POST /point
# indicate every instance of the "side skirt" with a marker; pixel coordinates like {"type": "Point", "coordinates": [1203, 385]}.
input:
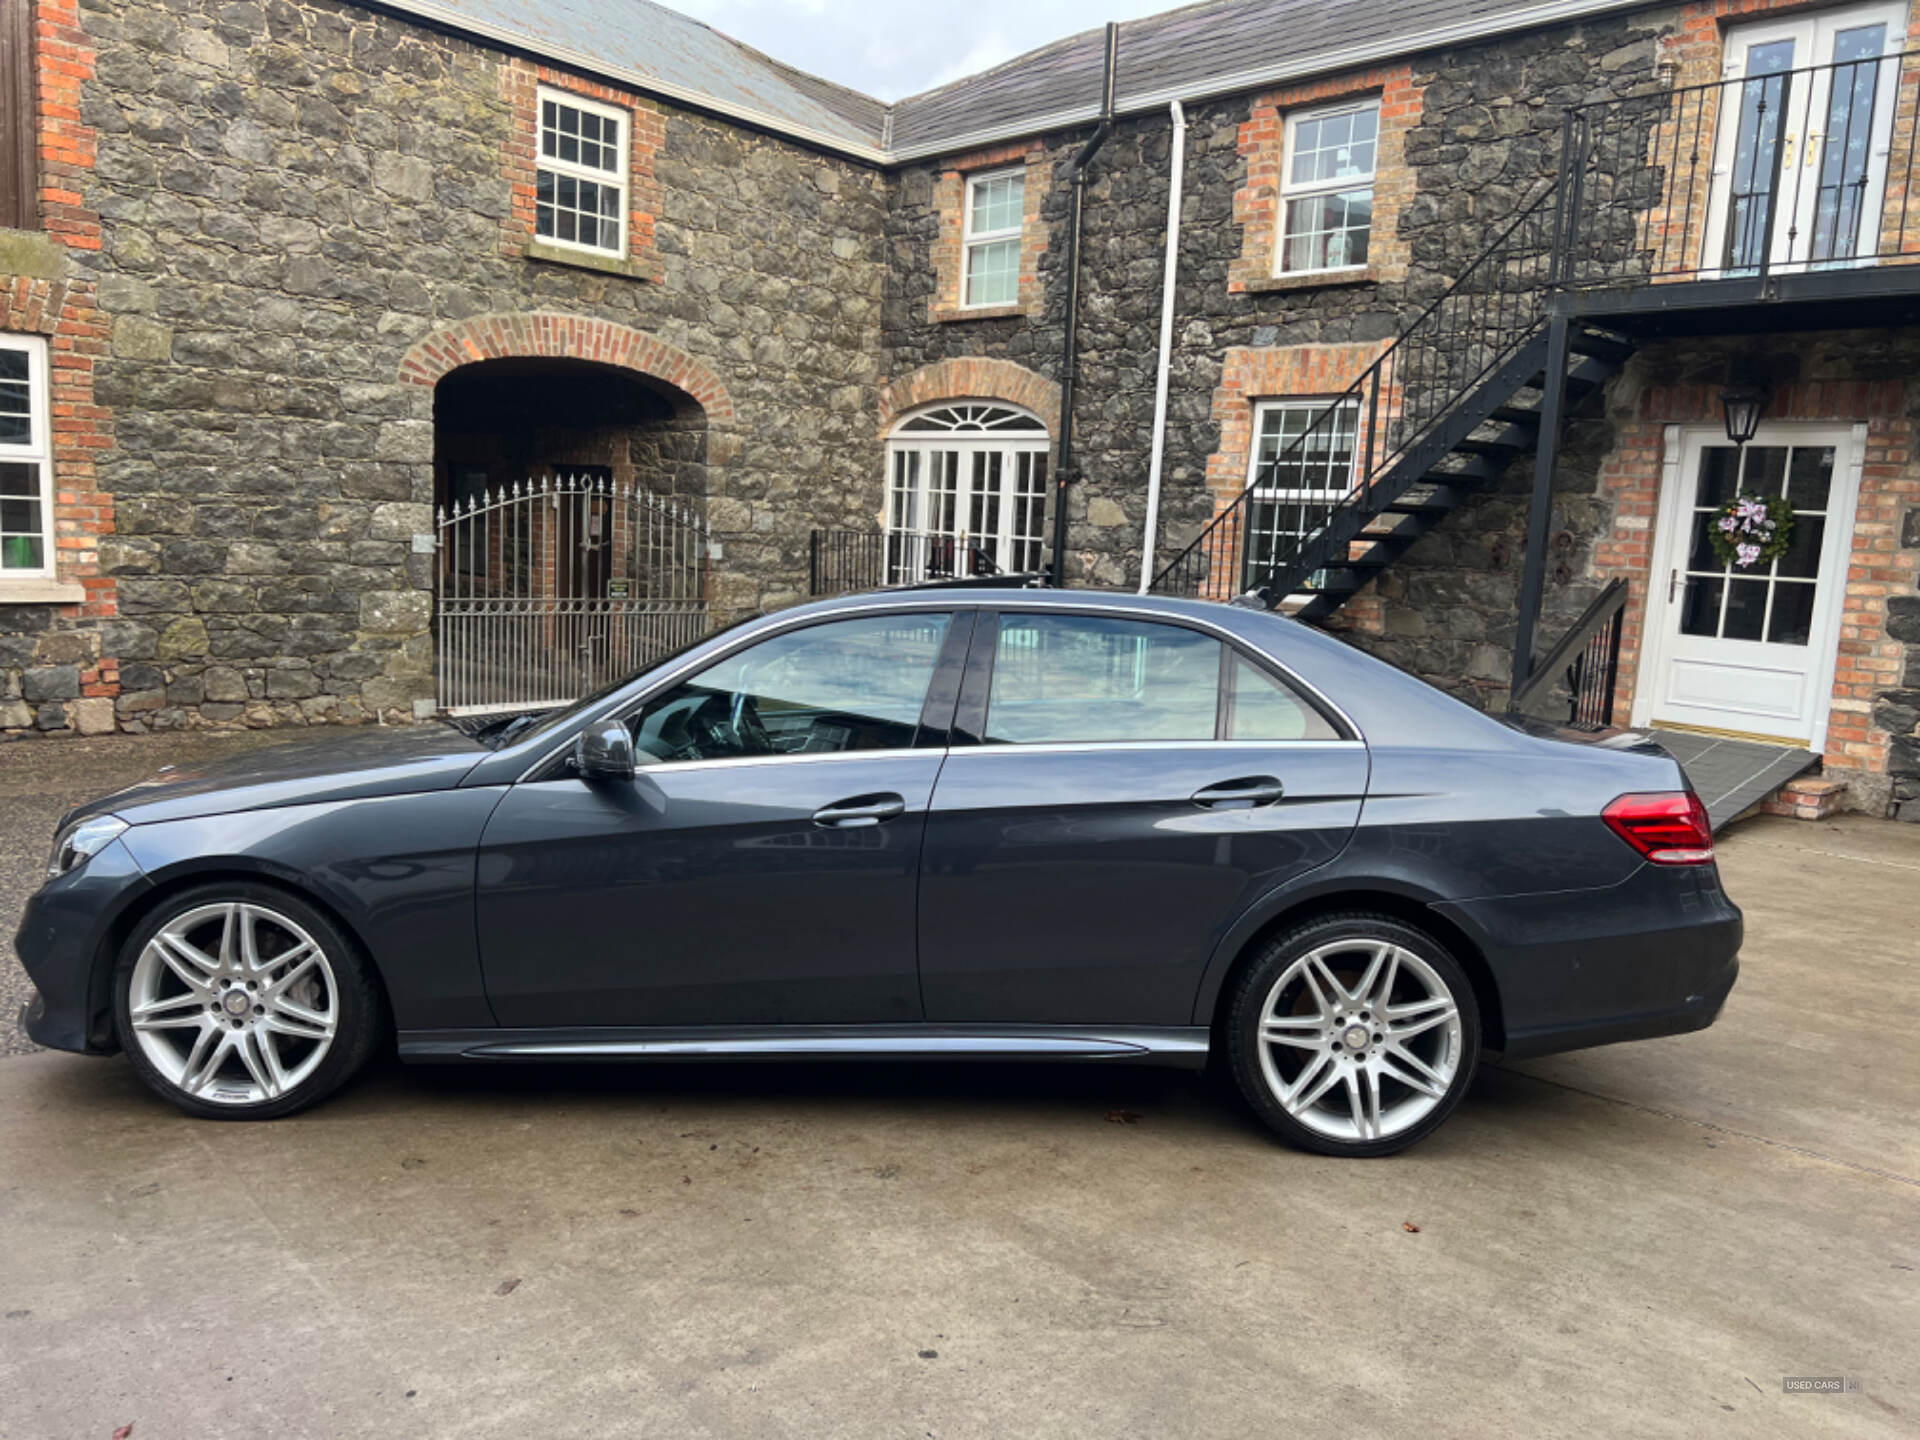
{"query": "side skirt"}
{"type": "Point", "coordinates": [1179, 1045]}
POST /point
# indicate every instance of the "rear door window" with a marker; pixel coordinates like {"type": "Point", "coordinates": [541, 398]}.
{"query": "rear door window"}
{"type": "Point", "coordinates": [1062, 679]}
{"type": "Point", "coordinates": [1259, 707]}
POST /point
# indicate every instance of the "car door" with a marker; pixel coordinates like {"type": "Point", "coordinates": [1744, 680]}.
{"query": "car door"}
{"type": "Point", "coordinates": [760, 868]}
{"type": "Point", "coordinates": [1133, 785]}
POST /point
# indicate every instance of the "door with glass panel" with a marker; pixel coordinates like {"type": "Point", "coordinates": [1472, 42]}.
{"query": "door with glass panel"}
{"type": "Point", "coordinates": [1800, 162]}
{"type": "Point", "coordinates": [966, 493]}
{"type": "Point", "coordinates": [1130, 774]}
{"type": "Point", "coordinates": [1750, 649]}
{"type": "Point", "coordinates": [1302, 466]}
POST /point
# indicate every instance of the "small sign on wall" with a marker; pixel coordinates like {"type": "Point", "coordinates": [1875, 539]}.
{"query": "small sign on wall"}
{"type": "Point", "coordinates": [617, 589]}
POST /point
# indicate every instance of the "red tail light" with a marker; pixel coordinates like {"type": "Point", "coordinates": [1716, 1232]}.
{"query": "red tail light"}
{"type": "Point", "coordinates": [1670, 828]}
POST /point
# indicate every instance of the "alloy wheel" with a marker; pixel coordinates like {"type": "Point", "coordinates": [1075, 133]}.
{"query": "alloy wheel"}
{"type": "Point", "coordinates": [1360, 1039]}
{"type": "Point", "coordinates": [234, 1003]}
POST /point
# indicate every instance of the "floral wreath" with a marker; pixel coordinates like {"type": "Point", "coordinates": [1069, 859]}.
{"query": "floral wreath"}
{"type": "Point", "coordinates": [1752, 530]}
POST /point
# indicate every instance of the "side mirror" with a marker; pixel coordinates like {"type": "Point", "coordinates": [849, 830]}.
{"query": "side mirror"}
{"type": "Point", "coordinates": [604, 752]}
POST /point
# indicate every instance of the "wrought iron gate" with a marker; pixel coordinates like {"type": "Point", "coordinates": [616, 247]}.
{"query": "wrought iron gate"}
{"type": "Point", "coordinates": [548, 589]}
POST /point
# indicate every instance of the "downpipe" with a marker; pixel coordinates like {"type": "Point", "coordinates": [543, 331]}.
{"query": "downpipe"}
{"type": "Point", "coordinates": [1065, 473]}
{"type": "Point", "coordinates": [1156, 447]}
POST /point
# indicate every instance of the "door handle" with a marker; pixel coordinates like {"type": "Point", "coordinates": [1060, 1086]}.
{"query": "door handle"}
{"type": "Point", "coordinates": [860, 811]}
{"type": "Point", "coordinates": [1241, 794]}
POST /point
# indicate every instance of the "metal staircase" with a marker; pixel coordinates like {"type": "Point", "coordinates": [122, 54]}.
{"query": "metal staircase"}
{"type": "Point", "coordinates": [1442, 412]}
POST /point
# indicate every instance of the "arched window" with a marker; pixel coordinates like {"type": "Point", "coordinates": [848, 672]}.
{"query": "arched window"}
{"type": "Point", "coordinates": [966, 492]}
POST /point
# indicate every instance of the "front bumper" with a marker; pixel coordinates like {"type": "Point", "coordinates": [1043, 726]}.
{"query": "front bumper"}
{"type": "Point", "coordinates": [65, 944]}
{"type": "Point", "coordinates": [1655, 955]}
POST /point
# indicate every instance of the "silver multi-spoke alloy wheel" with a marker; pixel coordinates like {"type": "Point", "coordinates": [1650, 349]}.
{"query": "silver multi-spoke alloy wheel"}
{"type": "Point", "coordinates": [1360, 1039]}
{"type": "Point", "coordinates": [234, 1003]}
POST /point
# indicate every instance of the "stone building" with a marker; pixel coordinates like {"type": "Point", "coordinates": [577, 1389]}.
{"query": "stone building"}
{"type": "Point", "coordinates": [287, 289]}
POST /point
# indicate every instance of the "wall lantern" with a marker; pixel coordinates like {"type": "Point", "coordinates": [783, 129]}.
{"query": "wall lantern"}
{"type": "Point", "coordinates": [1744, 405]}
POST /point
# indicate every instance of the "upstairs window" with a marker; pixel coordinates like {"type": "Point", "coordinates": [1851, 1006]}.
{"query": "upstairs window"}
{"type": "Point", "coordinates": [26, 517]}
{"type": "Point", "coordinates": [19, 207]}
{"type": "Point", "coordinates": [581, 185]}
{"type": "Point", "coordinates": [996, 205]}
{"type": "Point", "coordinates": [1326, 188]}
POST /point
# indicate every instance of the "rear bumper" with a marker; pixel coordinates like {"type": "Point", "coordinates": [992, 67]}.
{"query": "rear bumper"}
{"type": "Point", "coordinates": [1655, 955]}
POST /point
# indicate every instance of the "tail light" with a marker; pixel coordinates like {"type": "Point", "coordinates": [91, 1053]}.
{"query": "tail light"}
{"type": "Point", "coordinates": [1669, 828]}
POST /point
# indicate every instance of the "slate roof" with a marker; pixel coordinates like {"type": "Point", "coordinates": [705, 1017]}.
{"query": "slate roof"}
{"type": "Point", "coordinates": [1212, 48]}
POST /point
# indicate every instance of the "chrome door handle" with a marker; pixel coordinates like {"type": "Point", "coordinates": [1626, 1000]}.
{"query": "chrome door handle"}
{"type": "Point", "coordinates": [1241, 794]}
{"type": "Point", "coordinates": [860, 811]}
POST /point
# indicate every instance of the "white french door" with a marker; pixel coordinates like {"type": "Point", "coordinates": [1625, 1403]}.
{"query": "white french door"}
{"type": "Point", "coordinates": [1750, 651]}
{"type": "Point", "coordinates": [966, 494]}
{"type": "Point", "coordinates": [1800, 159]}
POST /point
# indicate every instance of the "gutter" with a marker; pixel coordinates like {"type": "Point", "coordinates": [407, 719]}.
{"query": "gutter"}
{"type": "Point", "coordinates": [1064, 471]}
{"type": "Point", "coordinates": [1176, 173]}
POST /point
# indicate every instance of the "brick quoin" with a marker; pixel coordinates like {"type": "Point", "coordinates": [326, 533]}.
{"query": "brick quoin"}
{"type": "Point", "coordinates": [66, 312]}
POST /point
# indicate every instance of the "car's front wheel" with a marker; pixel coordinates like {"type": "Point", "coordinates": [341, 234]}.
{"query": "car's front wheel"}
{"type": "Point", "coordinates": [239, 1001]}
{"type": "Point", "coordinates": [1353, 1034]}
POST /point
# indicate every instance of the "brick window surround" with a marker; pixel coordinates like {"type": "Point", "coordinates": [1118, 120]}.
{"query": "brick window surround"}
{"type": "Point", "coordinates": [41, 294]}
{"type": "Point", "coordinates": [1283, 372]}
{"type": "Point", "coordinates": [1263, 145]}
{"type": "Point", "coordinates": [520, 82]}
{"type": "Point", "coordinates": [1870, 663]}
{"type": "Point", "coordinates": [949, 249]}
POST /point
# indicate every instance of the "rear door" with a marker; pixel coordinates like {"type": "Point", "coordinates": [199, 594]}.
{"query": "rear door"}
{"type": "Point", "coordinates": [1133, 784]}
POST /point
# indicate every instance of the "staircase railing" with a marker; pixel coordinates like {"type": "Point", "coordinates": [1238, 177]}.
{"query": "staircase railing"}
{"type": "Point", "coordinates": [1264, 536]}
{"type": "Point", "coordinates": [1579, 674]}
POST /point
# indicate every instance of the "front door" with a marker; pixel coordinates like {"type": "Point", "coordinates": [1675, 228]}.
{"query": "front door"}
{"type": "Point", "coordinates": [1140, 784]}
{"type": "Point", "coordinates": [761, 867]}
{"type": "Point", "coordinates": [1750, 649]}
{"type": "Point", "coordinates": [1800, 163]}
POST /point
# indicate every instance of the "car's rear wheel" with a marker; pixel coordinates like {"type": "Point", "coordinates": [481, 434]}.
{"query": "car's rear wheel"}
{"type": "Point", "coordinates": [1353, 1034]}
{"type": "Point", "coordinates": [239, 1001]}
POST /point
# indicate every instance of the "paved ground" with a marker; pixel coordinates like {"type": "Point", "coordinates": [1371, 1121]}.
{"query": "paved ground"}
{"type": "Point", "coordinates": [1640, 1241]}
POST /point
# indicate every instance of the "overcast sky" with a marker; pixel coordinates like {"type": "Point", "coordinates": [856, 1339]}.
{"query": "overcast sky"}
{"type": "Point", "coordinates": [896, 49]}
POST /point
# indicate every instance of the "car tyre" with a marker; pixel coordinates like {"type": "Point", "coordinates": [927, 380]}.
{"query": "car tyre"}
{"type": "Point", "coordinates": [242, 1001]}
{"type": "Point", "coordinates": [1353, 1034]}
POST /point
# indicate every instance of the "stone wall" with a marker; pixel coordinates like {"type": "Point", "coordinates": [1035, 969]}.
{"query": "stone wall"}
{"type": "Point", "coordinates": [291, 197]}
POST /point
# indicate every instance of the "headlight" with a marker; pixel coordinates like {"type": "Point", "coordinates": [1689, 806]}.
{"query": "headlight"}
{"type": "Point", "coordinates": [81, 839]}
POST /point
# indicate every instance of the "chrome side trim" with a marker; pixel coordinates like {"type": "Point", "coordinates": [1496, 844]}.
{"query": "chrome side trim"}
{"type": "Point", "coordinates": [1178, 1045]}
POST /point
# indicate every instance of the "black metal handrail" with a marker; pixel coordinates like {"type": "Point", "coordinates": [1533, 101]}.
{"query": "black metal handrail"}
{"type": "Point", "coordinates": [1582, 669]}
{"type": "Point", "coordinates": [843, 561]}
{"type": "Point", "coordinates": [1788, 172]}
{"type": "Point", "coordinates": [1495, 305]}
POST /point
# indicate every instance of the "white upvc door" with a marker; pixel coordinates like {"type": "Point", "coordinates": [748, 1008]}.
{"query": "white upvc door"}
{"type": "Point", "coordinates": [1752, 651]}
{"type": "Point", "coordinates": [1830, 146]}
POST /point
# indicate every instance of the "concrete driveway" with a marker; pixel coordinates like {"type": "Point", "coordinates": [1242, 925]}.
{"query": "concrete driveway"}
{"type": "Point", "coordinates": [1640, 1241]}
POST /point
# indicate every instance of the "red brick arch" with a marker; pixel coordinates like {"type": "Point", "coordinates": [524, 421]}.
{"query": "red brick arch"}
{"type": "Point", "coordinates": [974, 378]}
{"type": "Point", "coordinates": [548, 335]}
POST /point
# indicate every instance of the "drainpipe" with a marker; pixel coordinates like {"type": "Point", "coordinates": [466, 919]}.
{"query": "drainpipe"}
{"type": "Point", "coordinates": [1065, 473]}
{"type": "Point", "coordinates": [1156, 447]}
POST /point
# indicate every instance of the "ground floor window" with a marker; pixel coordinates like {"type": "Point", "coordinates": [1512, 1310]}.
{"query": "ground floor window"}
{"type": "Point", "coordinates": [1301, 466]}
{"type": "Point", "coordinates": [26, 480]}
{"type": "Point", "coordinates": [966, 493]}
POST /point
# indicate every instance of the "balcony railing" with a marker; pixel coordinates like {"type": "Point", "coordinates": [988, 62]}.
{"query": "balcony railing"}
{"type": "Point", "coordinates": [843, 561]}
{"type": "Point", "coordinates": [1786, 172]}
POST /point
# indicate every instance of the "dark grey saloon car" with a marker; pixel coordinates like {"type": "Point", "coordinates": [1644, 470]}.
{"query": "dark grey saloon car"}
{"type": "Point", "coordinates": [947, 824]}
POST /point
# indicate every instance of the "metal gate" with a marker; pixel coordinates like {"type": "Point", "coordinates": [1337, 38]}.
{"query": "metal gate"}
{"type": "Point", "coordinates": [548, 589]}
